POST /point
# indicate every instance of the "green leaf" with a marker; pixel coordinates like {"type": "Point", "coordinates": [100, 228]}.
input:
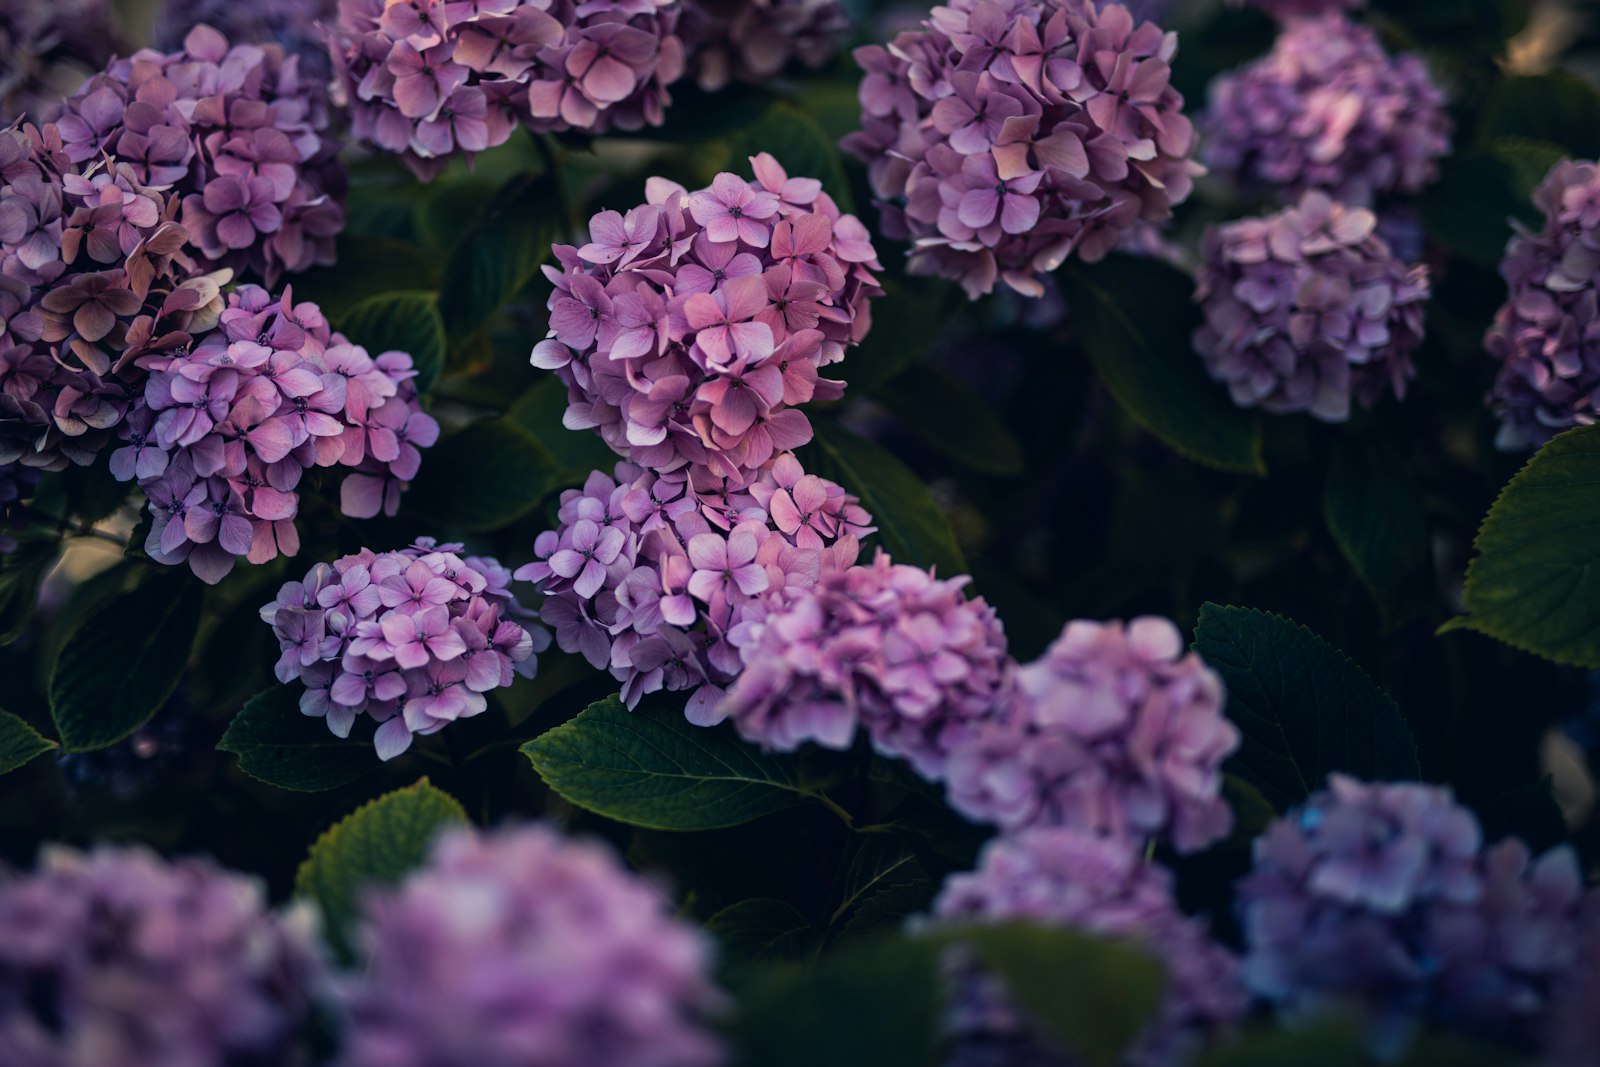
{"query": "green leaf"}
{"type": "Point", "coordinates": [492, 263]}
{"type": "Point", "coordinates": [906, 322]}
{"type": "Point", "coordinates": [539, 411]}
{"type": "Point", "coordinates": [951, 417]}
{"type": "Point", "coordinates": [882, 881]}
{"type": "Point", "coordinates": [1559, 108]}
{"type": "Point", "coordinates": [1375, 516]}
{"type": "Point", "coordinates": [653, 768]}
{"type": "Point", "coordinates": [1136, 321]}
{"type": "Point", "coordinates": [909, 523]}
{"type": "Point", "coordinates": [19, 742]}
{"type": "Point", "coordinates": [1469, 210]}
{"type": "Point", "coordinates": [21, 572]}
{"type": "Point", "coordinates": [1303, 709]}
{"type": "Point", "coordinates": [400, 322]}
{"type": "Point", "coordinates": [121, 663]}
{"type": "Point", "coordinates": [279, 745]}
{"type": "Point", "coordinates": [368, 267]}
{"type": "Point", "coordinates": [482, 477]}
{"type": "Point", "coordinates": [1535, 583]}
{"type": "Point", "coordinates": [375, 845]}
{"type": "Point", "coordinates": [763, 930]}
{"type": "Point", "coordinates": [798, 142]}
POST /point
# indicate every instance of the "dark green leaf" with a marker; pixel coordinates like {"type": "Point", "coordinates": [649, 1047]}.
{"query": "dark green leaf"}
{"type": "Point", "coordinates": [1559, 108]}
{"type": "Point", "coordinates": [954, 419]}
{"type": "Point", "coordinates": [368, 267]}
{"type": "Point", "coordinates": [121, 663]}
{"type": "Point", "coordinates": [763, 930]}
{"type": "Point", "coordinates": [1375, 516]}
{"type": "Point", "coordinates": [278, 745]}
{"type": "Point", "coordinates": [909, 523]}
{"type": "Point", "coordinates": [1136, 320]}
{"type": "Point", "coordinates": [482, 477]}
{"type": "Point", "coordinates": [653, 768]}
{"type": "Point", "coordinates": [21, 571]}
{"type": "Point", "coordinates": [1303, 708]}
{"type": "Point", "coordinates": [1251, 811]}
{"type": "Point", "coordinates": [539, 411]}
{"type": "Point", "coordinates": [401, 322]}
{"type": "Point", "coordinates": [881, 877]}
{"type": "Point", "coordinates": [377, 844]}
{"type": "Point", "coordinates": [1469, 210]}
{"type": "Point", "coordinates": [502, 254]}
{"type": "Point", "coordinates": [19, 742]}
{"type": "Point", "coordinates": [798, 142]}
{"type": "Point", "coordinates": [906, 323]}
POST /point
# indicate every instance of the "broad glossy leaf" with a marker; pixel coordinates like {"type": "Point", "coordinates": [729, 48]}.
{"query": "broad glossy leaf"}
{"type": "Point", "coordinates": [906, 322]}
{"type": "Point", "coordinates": [404, 322]}
{"type": "Point", "coordinates": [539, 411]}
{"type": "Point", "coordinates": [482, 477]}
{"type": "Point", "coordinates": [368, 266]}
{"type": "Point", "coordinates": [880, 884]}
{"type": "Point", "coordinates": [500, 255]}
{"type": "Point", "coordinates": [1469, 210]}
{"type": "Point", "coordinates": [279, 745]}
{"type": "Point", "coordinates": [120, 664]}
{"type": "Point", "coordinates": [19, 742]}
{"type": "Point", "coordinates": [1558, 108]}
{"type": "Point", "coordinates": [1303, 708]}
{"type": "Point", "coordinates": [653, 768]}
{"type": "Point", "coordinates": [1375, 515]}
{"type": "Point", "coordinates": [763, 930]}
{"type": "Point", "coordinates": [21, 572]}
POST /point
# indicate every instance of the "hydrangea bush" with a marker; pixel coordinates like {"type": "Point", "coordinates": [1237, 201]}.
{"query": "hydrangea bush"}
{"type": "Point", "coordinates": [679, 533]}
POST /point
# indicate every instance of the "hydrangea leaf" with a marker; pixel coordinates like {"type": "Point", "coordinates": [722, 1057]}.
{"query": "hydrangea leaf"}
{"type": "Point", "coordinates": [653, 768]}
{"type": "Point", "coordinates": [404, 322]}
{"type": "Point", "coordinates": [482, 477]}
{"type": "Point", "coordinates": [906, 323]}
{"type": "Point", "coordinates": [19, 742]}
{"type": "Point", "coordinates": [1375, 516]}
{"type": "Point", "coordinates": [502, 254]}
{"type": "Point", "coordinates": [21, 572]}
{"type": "Point", "coordinates": [1535, 583]}
{"type": "Point", "coordinates": [279, 745]}
{"type": "Point", "coordinates": [954, 419]}
{"type": "Point", "coordinates": [1303, 708]}
{"type": "Point", "coordinates": [368, 266]}
{"type": "Point", "coordinates": [910, 525]}
{"type": "Point", "coordinates": [880, 885]}
{"type": "Point", "coordinates": [764, 930]}
{"type": "Point", "coordinates": [377, 844]}
{"type": "Point", "coordinates": [1557, 107]}
{"type": "Point", "coordinates": [1136, 320]}
{"type": "Point", "coordinates": [1469, 210]}
{"type": "Point", "coordinates": [120, 664]}
{"type": "Point", "coordinates": [539, 411]}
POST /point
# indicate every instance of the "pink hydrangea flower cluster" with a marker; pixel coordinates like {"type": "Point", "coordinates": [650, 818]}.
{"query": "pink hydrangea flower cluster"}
{"type": "Point", "coordinates": [523, 947]}
{"type": "Point", "coordinates": [1308, 308]}
{"type": "Point", "coordinates": [49, 48]}
{"type": "Point", "coordinates": [1382, 896]}
{"type": "Point", "coordinates": [1062, 876]}
{"type": "Point", "coordinates": [232, 131]}
{"type": "Point", "coordinates": [93, 267]}
{"type": "Point", "coordinates": [1115, 730]}
{"type": "Point", "coordinates": [754, 40]}
{"type": "Point", "coordinates": [1003, 136]}
{"type": "Point", "coordinates": [1328, 109]}
{"type": "Point", "coordinates": [886, 646]}
{"type": "Point", "coordinates": [413, 639]}
{"type": "Point", "coordinates": [689, 330]}
{"type": "Point", "coordinates": [1545, 334]}
{"type": "Point", "coordinates": [224, 431]}
{"type": "Point", "coordinates": [428, 79]}
{"type": "Point", "coordinates": [116, 956]}
{"type": "Point", "coordinates": [657, 576]}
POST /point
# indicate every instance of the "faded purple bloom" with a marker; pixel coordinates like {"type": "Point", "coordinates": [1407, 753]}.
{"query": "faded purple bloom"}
{"type": "Point", "coordinates": [1003, 137]}
{"type": "Point", "coordinates": [523, 947]}
{"type": "Point", "coordinates": [1308, 309]}
{"type": "Point", "coordinates": [1328, 109]}
{"type": "Point", "coordinates": [753, 41]}
{"type": "Point", "coordinates": [49, 48]}
{"type": "Point", "coordinates": [293, 24]}
{"type": "Point", "coordinates": [116, 956]}
{"type": "Point", "coordinates": [1062, 876]}
{"type": "Point", "coordinates": [1115, 730]}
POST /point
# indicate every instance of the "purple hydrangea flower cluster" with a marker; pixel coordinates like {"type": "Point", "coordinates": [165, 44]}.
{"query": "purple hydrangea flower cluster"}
{"type": "Point", "coordinates": [658, 576]}
{"type": "Point", "coordinates": [690, 329]}
{"type": "Point", "coordinates": [235, 133]}
{"type": "Point", "coordinates": [754, 40]}
{"type": "Point", "coordinates": [1545, 334]}
{"type": "Point", "coordinates": [16, 483]}
{"type": "Point", "coordinates": [1285, 10]}
{"type": "Point", "coordinates": [1003, 136]}
{"type": "Point", "coordinates": [93, 270]}
{"type": "Point", "coordinates": [886, 646]}
{"type": "Point", "coordinates": [117, 957]}
{"type": "Point", "coordinates": [1328, 109]}
{"type": "Point", "coordinates": [1062, 876]}
{"type": "Point", "coordinates": [1115, 730]}
{"type": "Point", "coordinates": [294, 24]}
{"type": "Point", "coordinates": [526, 948]}
{"type": "Point", "coordinates": [413, 638]}
{"type": "Point", "coordinates": [1380, 896]}
{"type": "Point", "coordinates": [1573, 1036]}
{"type": "Point", "coordinates": [431, 78]}
{"type": "Point", "coordinates": [1307, 308]}
{"type": "Point", "coordinates": [49, 48]}
{"type": "Point", "coordinates": [224, 430]}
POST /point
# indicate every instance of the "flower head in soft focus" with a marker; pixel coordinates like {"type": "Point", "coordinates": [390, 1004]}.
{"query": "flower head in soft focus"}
{"type": "Point", "coordinates": [1003, 137]}
{"type": "Point", "coordinates": [525, 948]}
{"type": "Point", "coordinates": [413, 639]}
{"type": "Point", "coordinates": [1308, 309]}
{"type": "Point", "coordinates": [690, 329]}
{"type": "Point", "coordinates": [235, 133]}
{"type": "Point", "coordinates": [296, 25]}
{"type": "Point", "coordinates": [1382, 897]}
{"type": "Point", "coordinates": [752, 41]}
{"type": "Point", "coordinates": [660, 577]}
{"type": "Point", "coordinates": [1328, 109]}
{"type": "Point", "coordinates": [1065, 877]}
{"type": "Point", "coordinates": [427, 79]}
{"type": "Point", "coordinates": [116, 956]}
{"type": "Point", "coordinates": [1542, 335]}
{"type": "Point", "coordinates": [48, 48]}
{"type": "Point", "coordinates": [886, 646]}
